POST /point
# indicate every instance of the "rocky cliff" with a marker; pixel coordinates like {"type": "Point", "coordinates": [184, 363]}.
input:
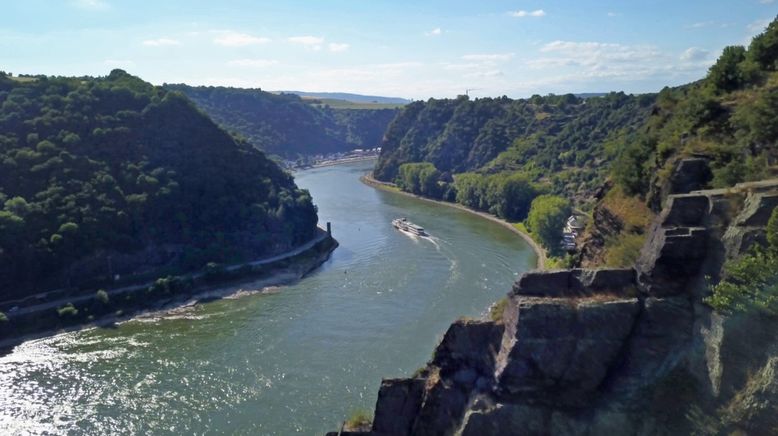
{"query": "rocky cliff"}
{"type": "Point", "coordinates": [619, 351]}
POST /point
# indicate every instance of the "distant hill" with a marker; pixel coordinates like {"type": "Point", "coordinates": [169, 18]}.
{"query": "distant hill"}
{"type": "Point", "coordinates": [590, 94]}
{"type": "Point", "coordinates": [288, 126]}
{"type": "Point", "coordinates": [354, 98]}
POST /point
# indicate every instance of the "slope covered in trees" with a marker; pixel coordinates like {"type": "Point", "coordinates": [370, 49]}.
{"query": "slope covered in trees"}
{"type": "Point", "coordinates": [727, 119]}
{"type": "Point", "coordinates": [558, 140]}
{"type": "Point", "coordinates": [286, 125]}
{"type": "Point", "coordinates": [110, 175]}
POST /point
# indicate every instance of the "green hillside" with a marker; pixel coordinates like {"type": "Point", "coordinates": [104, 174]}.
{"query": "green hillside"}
{"type": "Point", "coordinates": [289, 126]}
{"type": "Point", "coordinates": [112, 175]}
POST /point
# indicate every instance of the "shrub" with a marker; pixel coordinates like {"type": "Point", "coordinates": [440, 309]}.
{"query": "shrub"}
{"type": "Point", "coordinates": [498, 309]}
{"type": "Point", "coordinates": [751, 282]}
{"type": "Point", "coordinates": [359, 419]}
{"type": "Point", "coordinates": [624, 250]}
{"type": "Point", "coordinates": [3, 317]}
{"type": "Point", "coordinates": [102, 296]}
{"type": "Point", "coordinates": [67, 310]}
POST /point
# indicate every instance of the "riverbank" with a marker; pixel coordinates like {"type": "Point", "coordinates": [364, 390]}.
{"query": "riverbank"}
{"type": "Point", "coordinates": [163, 295]}
{"type": "Point", "coordinates": [540, 252]}
{"type": "Point", "coordinates": [329, 163]}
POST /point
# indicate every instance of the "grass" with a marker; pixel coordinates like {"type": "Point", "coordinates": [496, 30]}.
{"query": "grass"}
{"type": "Point", "coordinates": [633, 212]}
{"type": "Point", "coordinates": [359, 419]}
{"type": "Point", "coordinates": [345, 104]}
{"type": "Point", "coordinates": [521, 227]}
{"type": "Point", "coordinates": [497, 310]}
{"type": "Point", "coordinates": [623, 250]}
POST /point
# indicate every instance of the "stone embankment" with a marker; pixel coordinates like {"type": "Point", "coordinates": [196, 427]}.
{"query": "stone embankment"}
{"type": "Point", "coordinates": [610, 351]}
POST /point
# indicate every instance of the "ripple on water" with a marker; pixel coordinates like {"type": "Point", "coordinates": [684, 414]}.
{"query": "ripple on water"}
{"type": "Point", "coordinates": [296, 360]}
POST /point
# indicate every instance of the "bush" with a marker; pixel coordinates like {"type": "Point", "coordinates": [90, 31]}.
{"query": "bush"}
{"type": "Point", "coordinates": [624, 250]}
{"type": "Point", "coordinates": [67, 311]}
{"type": "Point", "coordinates": [751, 282]}
{"type": "Point", "coordinates": [359, 419]}
{"type": "Point", "coordinates": [498, 309]}
{"type": "Point", "coordinates": [3, 317]}
{"type": "Point", "coordinates": [102, 296]}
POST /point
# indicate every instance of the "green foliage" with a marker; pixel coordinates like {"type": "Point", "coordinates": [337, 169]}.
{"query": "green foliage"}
{"type": "Point", "coordinates": [420, 179]}
{"type": "Point", "coordinates": [764, 48]}
{"type": "Point", "coordinates": [102, 296]}
{"type": "Point", "coordinates": [555, 140]}
{"type": "Point", "coordinates": [750, 282]}
{"type": "Point", "coordinates": [507, 195]}
{"type": "Point", "coordinates": [623, 250]}
{"type": "Point", "coordinates": [286, 125]}
{"type": "Point", "coordinates": [170, 285]}
{"type": "Point", "coordinates": [546, 219]}
{"type": "Point", "coordinates": [359, 419]}
{"type": "Point", "coordinates": [3, 317]}
{"type": "Point", "coordinates": [67, 311]}
{"type": "Point", "coordinates": [729, 117]}
{"type": "Point", "coordinates": [725, 74]}
{"type": "Point", "coordinates": [497, 311]}
{"type": "Point", "coordinates": [89, 165]}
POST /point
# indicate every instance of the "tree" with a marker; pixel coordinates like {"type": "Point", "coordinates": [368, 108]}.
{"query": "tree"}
{"type": "Point", "coordinates": [510, 196]}
{"type": "Point", "coordinates": [546, 219]}
{"type": "Point", "coordinates": [764, 47]}
{"type": "Point", "coordinates": [725, 74]}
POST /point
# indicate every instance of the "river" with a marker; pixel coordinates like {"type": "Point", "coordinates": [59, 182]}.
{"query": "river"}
{"type": "Point", "coordinates": [295, 360]}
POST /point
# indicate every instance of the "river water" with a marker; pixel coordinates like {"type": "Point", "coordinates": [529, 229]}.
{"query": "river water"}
{"type": "Point", "coordinates": [297, 360]}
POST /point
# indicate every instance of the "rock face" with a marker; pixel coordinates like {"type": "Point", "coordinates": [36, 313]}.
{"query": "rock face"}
{"type": "Point", "coordinates": [611, 351]}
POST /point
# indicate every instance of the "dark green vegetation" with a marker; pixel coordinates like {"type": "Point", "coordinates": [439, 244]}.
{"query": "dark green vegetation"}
{"type": "Point", "coordinates": [288, 126]}
{"type": "Point", "coordinates": [104, 176]}
{"type": "Point", "coordinates": [728, 117]}
{"type": "Point", "coordinates": [496, 155]}
{"type": "Point", "coordinates": [562, 142]}
{"type": "Point", "coordinates": [751, 281]}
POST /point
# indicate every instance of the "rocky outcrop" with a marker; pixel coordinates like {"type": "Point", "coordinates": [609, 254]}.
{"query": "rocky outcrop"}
{"type": "Point", "coordinates": [688, 174]}
{"type": "Point", "coordinates": [611, 351]}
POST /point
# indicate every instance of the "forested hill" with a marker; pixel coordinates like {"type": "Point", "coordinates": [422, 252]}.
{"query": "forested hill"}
{"type": "Point", "coordinates": [114, 174]}
{"type": "Point", "coordinates": [561, 140]}
{"type": "Point", "coordinates": [286, 125]}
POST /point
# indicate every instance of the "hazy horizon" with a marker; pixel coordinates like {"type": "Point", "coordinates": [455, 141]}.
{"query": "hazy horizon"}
{"type": "Point", "coordinates": [394, 49]}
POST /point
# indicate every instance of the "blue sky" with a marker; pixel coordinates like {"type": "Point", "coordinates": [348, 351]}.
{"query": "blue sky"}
{"type": "Point", "coordinates": [415, 49]}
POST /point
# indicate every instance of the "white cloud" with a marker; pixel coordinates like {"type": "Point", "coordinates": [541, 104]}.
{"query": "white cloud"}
{"type": "Point", "coordinates": [307, 40]}
{"type": "Point", "coordinates": [597, 59]}
{"type": "Point", "coordinates": [337, 47]}
{"type": "Point", "coordinates": [522, 13]}
{"type": "Point", "coordinates": [161, 42]}
{"type": "Point", "coordinates": [694, 54]}
{"type": "Point", "coordinates": [758, 26]}
{"type": "Point", "coordinates": [253, 63]}
{"type": "Point", "coordinates": [700, 25]}
{"type": "Point", "coordinates": [490, 57]}
{"type": "Point", "coordinates": [235, 39]}
{"type": "Point", "coordinates": [434, 32]}
{"type": "Point", "coordinates": [93, 5]}
{"type": "Point", "coordinates": [766, 2]}
{"type": "Point", "coordinates": [614, 14]}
